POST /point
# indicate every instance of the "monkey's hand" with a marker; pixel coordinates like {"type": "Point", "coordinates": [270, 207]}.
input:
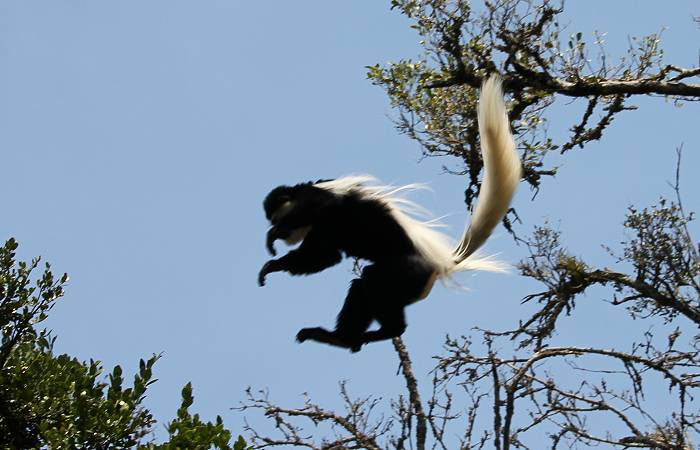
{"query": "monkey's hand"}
{"type": "Point", "coordinates": [273, 234]}
{"type": "Point", "coordinates": [272, 265]}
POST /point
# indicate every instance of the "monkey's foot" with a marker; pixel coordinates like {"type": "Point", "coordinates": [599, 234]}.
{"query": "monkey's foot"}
{"type": "Point", "coordinates": [356, 347]}
{"type": "Point", "coordinates": [310, 333]}
{"type": "Point", "coordinates": [322, 335]}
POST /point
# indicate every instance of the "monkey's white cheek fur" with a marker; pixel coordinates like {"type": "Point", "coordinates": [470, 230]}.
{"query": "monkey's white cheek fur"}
{"type": "Point", "coordinates": [297, 235]}
{"type": "Point", "coordinates": [283, 210]}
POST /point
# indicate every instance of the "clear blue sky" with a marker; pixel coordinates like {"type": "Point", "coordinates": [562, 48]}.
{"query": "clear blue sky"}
{"type": "Point", "coordinates": [138, 139]}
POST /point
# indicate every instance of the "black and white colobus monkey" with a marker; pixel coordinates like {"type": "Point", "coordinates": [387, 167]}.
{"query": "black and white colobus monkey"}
{"type": "Point", "coordinates": [350, 215]}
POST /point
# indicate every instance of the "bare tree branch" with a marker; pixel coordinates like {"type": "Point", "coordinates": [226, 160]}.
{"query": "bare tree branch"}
{"type": "Point", "coordinates": [414, 396]}
{"type": "Point", "coordinates": [581, 88]}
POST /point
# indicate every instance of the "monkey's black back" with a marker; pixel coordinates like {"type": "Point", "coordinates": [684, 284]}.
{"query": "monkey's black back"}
{"type": "Point", "coordinates": [364, 228]}
{"type": "Point", "coordinates": [350, 222]}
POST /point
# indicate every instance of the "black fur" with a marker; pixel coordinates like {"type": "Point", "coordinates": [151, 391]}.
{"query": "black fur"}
{"type": "Point", "coordinates": [356, 227]}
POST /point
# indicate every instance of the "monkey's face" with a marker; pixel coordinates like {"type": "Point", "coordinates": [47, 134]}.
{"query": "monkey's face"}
{"type": "Point", "coordinates": [278, 203]}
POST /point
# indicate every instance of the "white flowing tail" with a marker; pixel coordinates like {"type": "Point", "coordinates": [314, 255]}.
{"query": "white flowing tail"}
{"type": "Point", "coordinates": [502, 170]}
{"type": "Point", "coordinates": [501, 176]}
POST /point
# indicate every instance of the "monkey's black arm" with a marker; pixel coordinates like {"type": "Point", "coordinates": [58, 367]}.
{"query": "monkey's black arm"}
{"type": "Point", "coordinates": [313, 255]}
{"type": "Point", "coordinates": [283, 228]}
{"type": "Point", "coordinates": [274, 233]}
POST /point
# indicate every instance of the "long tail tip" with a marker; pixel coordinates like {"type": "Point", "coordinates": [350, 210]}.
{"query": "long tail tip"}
{"type": "Point", "coordinates": [493, 83]}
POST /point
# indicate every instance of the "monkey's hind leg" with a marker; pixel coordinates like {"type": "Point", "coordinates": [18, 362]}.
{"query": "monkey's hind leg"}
{"type": "Point", "coordinates": [324, 336]}
{"type": "Point", "coordinates": [353, 320]}
{"type": "Point", "coordinates": [396, 285]}
{"type": "Point", "coordinates": [392, 323]}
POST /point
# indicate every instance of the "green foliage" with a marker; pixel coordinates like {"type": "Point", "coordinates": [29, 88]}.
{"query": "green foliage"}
{"type": "Point", "coordinates": [59, 402]}
{"type": "Point", "coordinates": [436, 96]}
{"type": "Point", "coordinates": [56, 401]}
{"type": "Point", "coordinates": [665, 281]}
{"type": "Point", "coordinates": [189, 432]}
{"type": "Point", "coordinates": [663, 256]}
{"type": "Point", "coordinates": [462, 42]}
{"type": "Point", "coordinates": [22, 305]}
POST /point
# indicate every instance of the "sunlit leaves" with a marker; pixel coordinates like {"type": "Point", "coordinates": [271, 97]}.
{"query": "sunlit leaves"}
{"type": "Point", "coordinates": [58, 402]}
{"type": "Point", "coordinates": [189, 431]}
{"type": "Point", "coordinates": [463, 42]}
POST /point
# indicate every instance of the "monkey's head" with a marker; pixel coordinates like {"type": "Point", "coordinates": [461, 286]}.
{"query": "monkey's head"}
{"type": "Point", "coordinates": [279, 202]}
{"type": "Point", "coordinates": [303, 200]}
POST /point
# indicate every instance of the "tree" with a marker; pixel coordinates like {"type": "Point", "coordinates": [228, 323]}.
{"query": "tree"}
{"type": "Point", "coordinates": [516, 385]}
{"type": "Point", "coordinates": [56, 401]}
